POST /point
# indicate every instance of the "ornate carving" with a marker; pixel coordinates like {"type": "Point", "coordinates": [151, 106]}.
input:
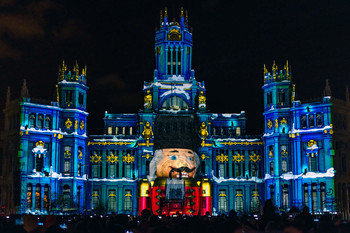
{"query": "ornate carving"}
{"type": "Point", "coordinates": [40, 143]}
{"type": "Point", "coordinates": [203, 157]}
{"type": "Point", "coordinates": [82, 125]}
{"type": "Point", "coordinates": [68, 123]}
{"type": "Point", "coordinates": [283, 121]}
{"type": "Point", "coordinates": [202, 99]}
{"type": "Point", "coordinates": [76, 124]}
{"type": "Point", "coordinates": [148, 99]}
{"type": "Point", "coordinates": [255, 158]}
{"type": "Point", "coordinates": [276, 123]}
{"type": "Point", "coordinates": [95, 158]}
{"type": "Point", "coordinates": [238, 158]}
{"type": "Point", "coordinates": [311, 143]}
{"type": "Point", "coordinates": [222, 158]}
{"type": "Point", "coordinates": [80, 154]}
{"type": "Point", "coordinates": [203, 131]}
{"type": "Point", "coordinates": [174, 34]}
{"type": "Point", "coordinates": [128, 158]}
{"type": "Point", "coordinates": [147, 131]}
{"type": "Point", "coordinates": [112, 158]}
{"type": "Point", "coordinates": [269, 124]}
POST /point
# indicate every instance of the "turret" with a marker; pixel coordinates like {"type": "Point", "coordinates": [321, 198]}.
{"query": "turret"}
{"type": "Point", "coordinates": [173, 47]}
{"type": "Point", "coordinates": [71, 87]}
{"type": "Point", "coordinates": [278, 89]}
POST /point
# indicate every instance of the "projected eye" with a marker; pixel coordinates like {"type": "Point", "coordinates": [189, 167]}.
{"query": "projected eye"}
{"type": "Point", "coordinates": [190, 158]}
{"type": "Point", "coordinates": [173, 157]}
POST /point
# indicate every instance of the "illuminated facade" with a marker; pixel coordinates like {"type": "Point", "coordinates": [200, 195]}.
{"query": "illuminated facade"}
{"type": "Point", "coordinates": [61, 168]}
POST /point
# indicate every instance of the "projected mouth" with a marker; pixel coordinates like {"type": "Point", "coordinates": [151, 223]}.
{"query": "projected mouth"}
{"type": "Point", "coordinates": [181, 172]}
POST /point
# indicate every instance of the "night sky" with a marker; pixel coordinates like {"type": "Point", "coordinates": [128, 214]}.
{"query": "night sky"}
{"type": "Point", "coordinates": [232, 42]}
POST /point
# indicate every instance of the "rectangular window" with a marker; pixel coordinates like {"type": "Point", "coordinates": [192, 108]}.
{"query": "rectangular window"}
{"type": "Point", "coordinates": [32, 121]}
{"type": "Point", "coordinates": [306, 195]}
{"type": "Point", "coordinates": [323, 196]}
{"type": "Point", "coordinates": [239, 204]}
{"type": "Point", "coordinates": [272, 168]}
{"type": "Point", "coordinates": [285, 197]}
{"type": "Point", "coordinates": [169, 61]}
{"type": "Point", "coordinates": [128, 171]}
{"type": "Point", "coordinates": [311, 121]}
{"type": "Point", "coordinates": [67, 167]}
{"type": "Point", "coordinates": [95, 171]}
{"type": "Point", "coordinates": [95, 199]}
{"type": "Point", "coordinates": [81, 99]}
{"type": "Point", "coordinates": [272, 193]}
{"type": "Point", "coordinates": [131, 131]}
{"type": "Point", "coordinates": [221, 170]}
{"type": "Point", "coordinates": [112, 170]}
{"type": "Point", "coordinates": [303, 122]}
{"type": "Point", "coordinates": [29, 196]}
{"type": "Point", "coordinates": [254, 203]}
{"type": "Point", "coordinates": [284, 166]}
{"type": "Point", "coordinates": [179, 62]}
{"type": "Point", "coordinates": [128, 200]}
{"type": "Point", "coordinates": [40, 121]}
{"type": "Point", "coordinates": [312, 162]}
{"type": "Point", "coordinates": [79, 169]}
{"type": "Point", "coordinates": [38, 197]}
{"type": "Point", "coordinates": [46, 197]}
{"type": "Point", "coordinates": [238, 169]}
{"type": "Point", "coordinates": [319, 119]}
{"type": "Point", "coordinates": [109, 130]}
{"type": "Point", "coordinates": [48, 122]}
{"type": "Point", "coordinates": [112, 200]}
{"type": "Point", "coordinates": [69, 97]}
{"type": "Point", "coordinates": [116, 130]}
{"type": "Point", "coordinates": [314, 197]}
{"type": "Point", "coordinates": [222, 201]}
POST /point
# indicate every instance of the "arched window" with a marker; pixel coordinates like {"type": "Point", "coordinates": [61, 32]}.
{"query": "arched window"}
{"type": "Point", "coordinates": [319, 120]}
{"type": "Point", "coordinates": [175, 103]}
{"type": "Point", "coordinates": [48, 122]}
{"type": "Point", "coordinates": [303, 122]}
{"type": "Point", "coordinates": [95, 199]}
{"type": "Point", "coordinates": [40, 121]}
{"type": "Point", "coordinates": [222, 201]}
{"type": "Point", "coordinates": [32, 121]}
{"type": "Point", "coordinates": [311, 121]}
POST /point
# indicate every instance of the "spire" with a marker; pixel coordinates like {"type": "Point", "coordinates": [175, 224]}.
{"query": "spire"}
{"type": "Point", "coordinates": [182, 12]}
{"type": "Point", "coordinates": [83, 71]}
{"type": "Point", "coordinates": [186, 18]}
{"type": "Point", "coordinates": [8, 95]}
{"type": "Point", "coordinates": [287, 71]}
{"type": "Point", "coordinates": [347, 94]}
{"type": "Point", "coordinates": [293, 93]}
{"type": "Point", "coordinates": [166, 12]}
{"type": "Point", "coordinates": [24, 90]}
{"type": "Point", "coordinates": [327, 90]}
{"type": "Point", "coordinates": [265, 70]}
{"type": "Point", "coordinates": [182, 19]}
{"type": "Point", "coordinates": [76, 69]}
{"type": "Point", "coordinates": [274, 69]}
{"type": "Point", "coordinates": [56, 95]}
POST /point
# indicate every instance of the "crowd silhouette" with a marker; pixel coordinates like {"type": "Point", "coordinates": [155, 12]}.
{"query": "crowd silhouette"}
{"type": "Point", "coordinates": [294, 221]}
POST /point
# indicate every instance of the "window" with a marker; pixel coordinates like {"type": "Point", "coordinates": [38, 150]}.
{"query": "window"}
{"type": "Point", "coordinates": [111, 170]}
{"type": "Point", "coordinates": [270, 151]}
{"type": "Point", "coordinates": [221, 170]}
{"type": "Point", "coordinates": [81, 99]}
{"type": "Point", "coordinates": [39, 162]}
{"type": "Point", "coordinates": [40, 121]}
{"type": "Point", "coordinates": [112, 200]}
{"type": "Point", "coordinates": [169, 51]}
{"type": "Point", "coordinates": [48, 122]}
{"type": "Point", "coordinates": [123, 130]}
{"type": "Point", "coordinates": [254, 203]}
{"type": "Point", "coordinates": [128, 200]}
{"type": "Point", "coordinates": [284, 152]}
{"type": "Point", "coordinates": [272, 168]}
{"type": "Point", "coordinates": [109, 130]}
{"type": "Point", "coordinates": [284, 166]}
{"type": "Point", "coordinates": [95, 171]}
{"type": "Point", "coordinates": [79, 169]}
{"type": "Point", "coordinates": [306, 195]}
{"type": "Point", "coordinates": [131, 131]}
{"type": "Point", "coordinates": [46, 197]}
{"type": "Point", "coordinates": [38, 197]}
{"type": "Point", "coordinates": [239, 205]}
{"type": "Point", "coordinates": [311, 121]}
{"type": "Point", "coordinates": [281, 97]}
{"type": "Point", "coordinates": [116, 130]}
{"type": "Point", "coordinates": [285, 197]}
{"type": "Point", "coordinates": [238, 131]}
{"type": "Point", "coordinates": [179, 62]}
{"type": "Point", "coordinates": [312, 162]}
{"type": "Point", "coordinates": [32, 121]}
{"type": "Point", "coordinates": [78, 196]}
{"type": "Point", "coordinates": [319, 120]}
{"type": "Point", "coordinates": [69, 97]}
{"type": "Point", "coordinates": [128, 171]}
{"type": "Point", "coordinates": [303, 122]}
{"type": "Point", "coordinates": [29, 196]}
{"type": "Point", "coordinates": [222, 201]}
{"type": "Point", "coordinates": [272, 193]}
{"type": "Point", "coordinates": [314, 197]}
{"type": "Point", "coordinates": [95, 198]}
{"type": "Point", "coordinates": [237, 169]}
{"type": "Point", "coordinates": [66, 167]}
{"type": "Point", "coordinates": [323, 196]}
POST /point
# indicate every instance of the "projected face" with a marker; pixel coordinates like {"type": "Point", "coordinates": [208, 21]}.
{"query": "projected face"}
{"type": "Point", "coordinates": [175, 161]}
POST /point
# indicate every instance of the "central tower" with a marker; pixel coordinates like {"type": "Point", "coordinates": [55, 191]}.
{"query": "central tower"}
{"type": "Point", "coordinates": [174, 87]}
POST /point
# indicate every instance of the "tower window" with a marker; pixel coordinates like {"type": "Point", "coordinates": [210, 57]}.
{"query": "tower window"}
{"type": "Point", "coordinates": [29, 196]}
{"type": "Point", "coordinates": [254, 203]}
{"type": "Point", "coordinates": [112, 200]}
{"type": "Point", "coordinates": [238, 131]}
{"type": "Point", "coordinates": [284, 166]}
{"type": "Point", "coordinates": [272, 193]}
{"type": "Point", "coordinates": [40, 121]}
{"type": "Point", "coordinates": [312, 162]}
{"type": "Point", "coordinates": [32, 120]}
{"type": "Point", "coordinates": [314, 197]}
{"type": "Point", "coordinates": [311, 121]}
{"type": "Point", "coordinates": [46, 197]}
{"type": "Point", "coordinates": [272, 168]}
{"type": "Point", "coordinates": [48, 122]}
{"type": "Point", "coordinates": [81, 99]}
{"type": "Point", "coordinates": [69, 97]}
{"type": "Point", "coordinates": [179, 61]}
{"type": "Point", "coordinates": [306, 195]}
{"type": "Point", "coordinates": [303, 122]}
{"type": "Point", "coordinates": [319, 120]}
{"type": "Point", "coordinates": [95, 198]}
{"type": "Point", "coordinates": [67, 167]}
{"type": "Point", "coordinates": [128, 200]}
{"type": "Point", "coordinates": [285, 197]}
{"type": "Point", "coordinates": [38, 197]}
{"type": "Point", "coordinates": [109, 130]}
{"type": "Point", "coordinates": [169, 51]}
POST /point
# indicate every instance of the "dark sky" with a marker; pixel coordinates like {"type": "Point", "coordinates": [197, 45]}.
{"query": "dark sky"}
{"type": "Point", "coordinates": [232, 41]}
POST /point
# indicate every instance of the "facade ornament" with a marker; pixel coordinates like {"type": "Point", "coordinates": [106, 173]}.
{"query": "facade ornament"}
{"type": "Point", "coordinates": [68, 123]}
{"type": "Point", "coordinates": [148, 100]}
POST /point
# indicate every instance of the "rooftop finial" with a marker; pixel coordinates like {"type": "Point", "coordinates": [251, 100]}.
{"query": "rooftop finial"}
{"type": "Point", "coordinates": [166, 12]}
{"type": "Point", "coordinates": [182, 12]}
{"type": "Point", "coordinates": [265, 70]}
{"type": "Point", "coordinates": [76, 70]}
{"type": "Point", "coordinates": [24, 90]}
{"type": "Point", "coordinates": [186, 18]}
{"type": "Point", "coordinates": [287, 70]}
{"type": "Point", "coordinates": [161, 17]}
{"type": "Point", "coordinates": [327, 89]}
{"type": "Point", "coordinates": [274, 69]}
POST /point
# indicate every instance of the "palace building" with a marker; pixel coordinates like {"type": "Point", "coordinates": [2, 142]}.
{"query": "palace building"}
{"type": "Point", "coordinates": [49, 162]}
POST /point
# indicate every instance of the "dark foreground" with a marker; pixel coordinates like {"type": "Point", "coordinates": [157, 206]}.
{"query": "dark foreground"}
{"type": "Point", "coordinates": [147, 223]}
